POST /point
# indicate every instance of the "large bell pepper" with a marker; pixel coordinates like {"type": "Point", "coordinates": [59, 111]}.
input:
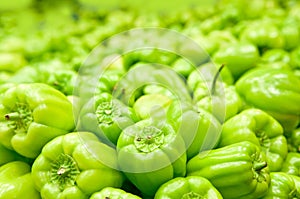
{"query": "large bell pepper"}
{"type": "Point", "coordinates": [16, 181]}
{"type": "Point", "coordinates": [238, 171]}
{"type": "Point", "coordinates": [188, 187]}
{"type": "Point", "coordinates": [278, 92]}
{"type": "Point", "coordinates": [261, 129]}
{"type": "Point", "coordinates": [106, 117]}
{"type": "Point", "coordinates": [151, 153]}
{"type": "Point", "coordinates": [31, 115]}
{"type": "Point", "coordinates": [282, 186]}
{"type": "Point", "coordinates": [75, 166]}
{"type": "Point", "coordinates": [291, 164]}
{"type": "Point", "coordinates": [113, 193]}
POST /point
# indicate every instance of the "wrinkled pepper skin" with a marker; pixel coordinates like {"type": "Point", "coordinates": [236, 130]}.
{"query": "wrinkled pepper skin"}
{"type": "Point", "coordinates": [238, 58]}
{"type": "Point", "coordinates": [150, 154]}
{"type": "Point", "coordinates": [238, 171]}
{"type": "Point", "coordinates": [274, 88]}
{"type": "Point", "coordinates": [188, 187]}
{"type": "Point", "coordinates": [31, 115]}
{"type": "Point", "coordinates": [69, 163]}
{"type": "Point", "coordinates": [282, 186]}
{"type": "Point", "coordinates": [291, 164]}
{"type": "Point", "coordinates": [113, 193]}
{"type": "Point", "coordinates": [261, 129]}
{"type": "Point", "coordinates": [106, 117]}
{"type": "Point", "coordinates": [16, 181]}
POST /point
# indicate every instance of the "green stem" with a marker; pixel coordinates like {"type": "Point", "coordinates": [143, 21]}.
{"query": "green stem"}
{"type": "Point", "coordinates": [213, 86]}
{"type": "Point", "coordinates": [259, 165]}
{"type": "Point", "coordinates": [13, 116]}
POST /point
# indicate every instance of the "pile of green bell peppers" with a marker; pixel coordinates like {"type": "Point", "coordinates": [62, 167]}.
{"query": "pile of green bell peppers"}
{"type": "Point", "coordinates": [206, 106]}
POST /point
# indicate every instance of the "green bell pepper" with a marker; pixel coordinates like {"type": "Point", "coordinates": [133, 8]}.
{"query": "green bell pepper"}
{"type": "Point", "coordinates": [108, 80]}
{"type": "Point", "coordinates": [182, 67]}
{"type": "Point", "coordinates": [238, 58]}
{"type": "Point", "coordinates": [273, 87]}
{"type": "Point", "coordinates": [260, 128]}
{"type": "Point", "coordinates": [113, 193]}
{"type": "Point", "coordinates": [7, 156]}
{"type": "Point", "coordinates": [282, 186]}
{"type": "Point", "coordinates": [32, 115]}
{"type": "Point", "coordinates": [294, 140]}
{"type": "Point", "coordinates": [11, 62]}
{"type": "Point", "coordinates": [16, 181]}
{"type": "Point", "coordinates": [290, 29]}
{"type": "Point", "coordinates": [295, 58]}
{"type": "Point", "coordinates": [264, 34]}
{"type": "Point", "coordinates": [188, 187]}
{"type": "Point", "coordinates": [106, 117]}
{"type": "Point", "coordinates": [75, 165]}
{"type": "Point", "coordinates": [275, 58]}
{"type": "Point", "coordinates": [238, 171]}
{"type": "Point", "coordinates": [199, 128]}
{"type": "Point", "coordinates": [150, 154]}
{"type": "Point", "coordinates": [291, 164]}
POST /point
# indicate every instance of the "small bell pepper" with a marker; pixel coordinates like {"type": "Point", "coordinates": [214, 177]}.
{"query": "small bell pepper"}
{"type": "Point", "coordinates": [273, 87]}
{"type": "Point", "coordinates": [282, 186]}
{"type": "Point", "coordinates": [294, 140]}
{"type": "Point", "coordinates": [260, 128]}
{"type": "Point", "coordinates": [151, 153]}
{"type": "Point", "coordinates": [238, 58]}
{"type": "Point", "coordinates": [290, 29]}
{"type": "Point", "coordinates": [11, 62]}
{"type": "Point", "coordinates": [295, 58]}
{"type": "Point", "coordinates": [16, 181]}
{"type": "Point", "coordinates": [200, 129]}
{"type": "Point", "coordinates": [264, 34]}
{"type": "Point", "coordinates": [237, 171]}
{"type": "Point", "coordinates": [275, 58]}
{"type": "Point", "coordinates": [113, 193]}
{"type": "Point", "coordinates": [106, 117]}
{"type": "Point", "coordinates": [108, 80]}
{"type": "Point", "coordinates": [188, 187]}
{"type": "Point", "coordinates": [182, 67]}
{"type": "Point", "coordinates": [147, 105]}
{"type": "Point", "coordinates": [31, 115]}
{"type": "Point", "coordinates": [291, 164]}
{"type": "Point", "coordinates": [75, 165]}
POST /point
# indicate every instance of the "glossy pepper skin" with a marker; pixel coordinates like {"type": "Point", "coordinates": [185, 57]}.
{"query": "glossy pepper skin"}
{"type": "Point", "coordinates": [291, 164]}
{"type": "Point", "coordinates": [31, 115]}
{"type": "Point", "coordinates": [238, 58]}
{"type": "Point", "coordinates": [260, 128]}
{"type": "Point", "coordinates": [75, 166]}
{"type": "Point", "coordinates": [282, 186]}
{"type": "Point", "coordinates": [238, 170]}
{"type": "Point", "coordinates": [7, 156]}
{"type": "Point", "coordinates": [150, 154]}
{"type": "Point", "coordinates": [106, 117]}
{"type": "Point", "coordinates": [113, 193]}
{"type": "Point", "coordinates": [199, 129]}
{"type": "Point", "coordinates": [278, 92]}
{"type": "Point", "coordinates": [294, 141]}
{"type": "Point", "coordinates": [188, 187]}
{"type": "Point", "coordinates": [16, 181]}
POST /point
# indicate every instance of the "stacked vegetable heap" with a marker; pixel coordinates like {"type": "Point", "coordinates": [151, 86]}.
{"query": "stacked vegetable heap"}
{"type": "Point", "coordinates": [200, 102]}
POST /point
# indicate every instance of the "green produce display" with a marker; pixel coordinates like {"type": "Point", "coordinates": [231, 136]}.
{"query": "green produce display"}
{"type": "Point", "coordinates": [159, 99]}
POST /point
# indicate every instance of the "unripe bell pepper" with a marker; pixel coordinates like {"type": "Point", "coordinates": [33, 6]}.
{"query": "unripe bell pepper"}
{"type": "Point", "coordinates": [278, 92]}
{"type": "Point", "coordinates": [113, 193]}
{"type": "Point", "coordinates": [75, 166]}
{"type": "Point", "coordinates": [106, 117]}
{"type": "Point", "coordinates": [31, 115]}
{"type": "Point", "coordinates": [261, 129]}
{"type": "Point", "coordinates": [16, 181]}
{"type": "Point", "coordinates": [150, 154]}
{"type": "Point", "coordinates": [294, 140]}
{"type": "Point", "coordinates": [291, 164]}
{"type": "Point", "coordinates": [188, 187]}
{"type": "Point", "coordinates": [238, 171]}
{"type": "Point", "coordinates": [282, 186]}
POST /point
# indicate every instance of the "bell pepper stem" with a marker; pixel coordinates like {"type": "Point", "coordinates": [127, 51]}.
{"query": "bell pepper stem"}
{"type": "Point", "coordinates": [12, 116]}
{"type": "Point", "coordinates": [259, 165]}
{"type": "Point", "coordinates": [213, 85]}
